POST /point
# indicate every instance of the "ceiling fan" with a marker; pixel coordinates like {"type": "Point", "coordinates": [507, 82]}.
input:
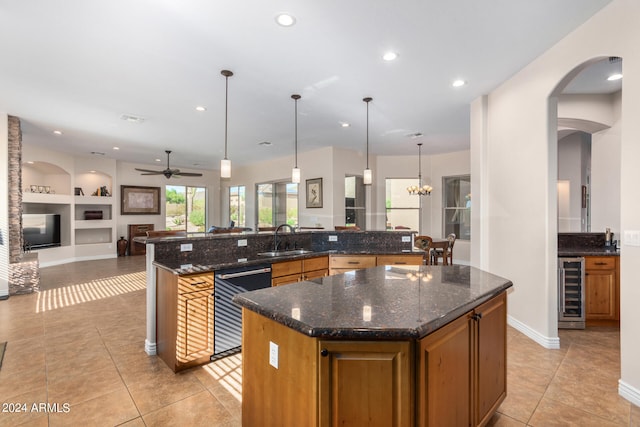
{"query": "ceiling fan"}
{"type": "Point", "coordinates": [168, 172]}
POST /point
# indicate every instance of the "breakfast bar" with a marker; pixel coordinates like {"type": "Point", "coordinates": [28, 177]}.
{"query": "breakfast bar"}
{"type": "Point", "coordinates": [389, 345]}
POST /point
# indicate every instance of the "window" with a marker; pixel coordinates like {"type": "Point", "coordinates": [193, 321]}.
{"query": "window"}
{"type": "Point", "coordinates": [355, 208]}
{"type": "Point", "coordinates": [456, 206]}
{"type": "Point", "coordinates": [185, 208]}
{"type": "Point", "coordinates": [277, 204]}
{"type": "Point", "coordinates": [403, 209]}
{"type": "Point", "coordinates": [237, 205]}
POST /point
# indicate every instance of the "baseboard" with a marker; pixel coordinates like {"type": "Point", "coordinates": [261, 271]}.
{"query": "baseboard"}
{"type": "Point", "coordinates": [546, 342]}
{"type": "Point", "coordinates": [629, 392]}
{"type": "Point", "coordinates": [150, 348]}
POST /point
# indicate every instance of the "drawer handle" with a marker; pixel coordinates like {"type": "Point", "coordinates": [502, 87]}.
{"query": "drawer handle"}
{"type": "Point", "coordinates": [601, 263]}
{"type": "Point", "coordinates": [353, 262]}
{"type": "Point", "coordinates": [400, 262]}
{"type": "Point", "coordinates": [198, 283]}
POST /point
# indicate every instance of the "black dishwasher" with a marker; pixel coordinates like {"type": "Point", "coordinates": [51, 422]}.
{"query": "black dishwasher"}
{"type": "Point", "coordinates": [227, 316]}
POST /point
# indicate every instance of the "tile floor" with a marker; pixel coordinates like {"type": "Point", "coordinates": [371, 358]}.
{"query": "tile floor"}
{"type": "Point", "coordinates": [79, 343]}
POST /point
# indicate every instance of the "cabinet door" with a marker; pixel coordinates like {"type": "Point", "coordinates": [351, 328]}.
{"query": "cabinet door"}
{"type": "Point", "coordinates": [308, 275]}
{"type": "Point", "coordinates": [286, 268]}
{"type": "Point", "coordinates": [365, 384]}
{"type": "Point", "coordinates": [491, 359]}
{"type": "Point", "coordinates": [444, 375]}
{"type": "Point", "coordinates": [285, 280]}
{"type": "Point", "coordinates": [600, 294]}
{"type": "Point", "coordinates": [195, 327]}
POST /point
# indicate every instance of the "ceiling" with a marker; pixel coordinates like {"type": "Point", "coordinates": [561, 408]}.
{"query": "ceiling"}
{"type": "Point", "coordinates": [81, 67]}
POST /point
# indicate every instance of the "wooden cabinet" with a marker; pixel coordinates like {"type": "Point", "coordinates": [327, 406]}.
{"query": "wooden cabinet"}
{"type": "Point", "coordinates": [602, 288]}
{"type": "Point", "coordinates": [456, 376]}
{"type": "Point", "coordinates": [462, 368]}
{"type": "Point", "coordinates": [184, 332]}
{"type": "Point", "coordinates": [137, 230]}
{"type": "Point", "coordinates": [302, 269]}
{"type": "Point", "coordinates": [408, 259]}
{"type": "Point", "coordinates": [342, 263]}
{"type": "Point", "coordinates": [365, 381]}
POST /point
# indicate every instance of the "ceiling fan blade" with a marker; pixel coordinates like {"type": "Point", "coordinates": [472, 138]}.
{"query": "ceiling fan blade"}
{"type": "Point", "coordinates": [152, 173]}
{"type": "Point", "coordinates": [187, 174]}
{"type": "Point", "coordinates": [149, 171]}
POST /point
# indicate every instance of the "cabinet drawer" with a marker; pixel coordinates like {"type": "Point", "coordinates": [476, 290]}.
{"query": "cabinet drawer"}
{"type": "Point", "coordinates": [199, 282]}
{"type": "Point", "coordinates": [318, 263]}
{"type": "Point", "coordinates": [353, 262]}
{"type": "Point", "coordinates": [286, 268]}
{"type": "Point", "coordinates": [600, 263]}
{"type": "Point", "coordinates": [400, 260]}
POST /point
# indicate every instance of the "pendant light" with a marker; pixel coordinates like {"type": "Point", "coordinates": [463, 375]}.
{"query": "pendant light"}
{"type": "Point", "coordinates": [295, 172]}
{"type": "Point", "coordinates": [367, 179]}
{"type": "Point", "coordinates": [225, 164]}
{"type": "Point", "coordinates": [420, 190]}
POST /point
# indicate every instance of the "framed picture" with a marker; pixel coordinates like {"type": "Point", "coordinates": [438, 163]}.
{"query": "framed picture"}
{"type": "Point", "coordinates": [139, 200]}
{"type": "Point", "coordinates": [314, 193]}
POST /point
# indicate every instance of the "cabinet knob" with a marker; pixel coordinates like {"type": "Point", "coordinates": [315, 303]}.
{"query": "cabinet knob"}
{"type": "Point", "coordinates": [477, 316]}
{"type": "Point", "coordinates": [324, 352]}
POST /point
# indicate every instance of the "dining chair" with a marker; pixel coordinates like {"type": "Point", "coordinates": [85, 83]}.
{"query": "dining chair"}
{"type": "Point", "coordinates": [424, 243]}
{"type": "Point", "coordinates": [438, 253]}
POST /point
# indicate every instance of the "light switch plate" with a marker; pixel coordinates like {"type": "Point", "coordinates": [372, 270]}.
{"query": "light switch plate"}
{"type": "Point", "coordinates": [406, 239]}
{"type": "Point", "coordinates": [273, 354]}
{"type": "Point", "coordinates": [333, 238]}
{"type": "Point", "coordinates": [631, 238]}
{"type": "Point", "coordinates": [184, 247]}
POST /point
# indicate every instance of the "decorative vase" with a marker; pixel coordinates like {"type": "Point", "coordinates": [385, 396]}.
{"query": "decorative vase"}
{"type": "Point", "coordinates": [122, 246]}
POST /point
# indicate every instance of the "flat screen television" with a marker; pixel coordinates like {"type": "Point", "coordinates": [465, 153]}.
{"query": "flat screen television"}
{"type": "Point", "coordinates": [41, 230]}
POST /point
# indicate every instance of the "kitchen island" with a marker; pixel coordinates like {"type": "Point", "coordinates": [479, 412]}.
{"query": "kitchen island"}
{"type": "Point", "coordinates": [390, 345]}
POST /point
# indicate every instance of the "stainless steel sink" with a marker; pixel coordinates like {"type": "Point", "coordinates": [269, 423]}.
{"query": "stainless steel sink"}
{"type": "Point", "coordinates": [284, 253]}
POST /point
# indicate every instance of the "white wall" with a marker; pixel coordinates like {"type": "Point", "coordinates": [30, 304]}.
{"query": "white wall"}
{"type": "Point", "coordinates": [605, 175]}
{"type": "Point", "coordinates": [4, 205]}
{"type": "Point", "coordinates": [515, 137]}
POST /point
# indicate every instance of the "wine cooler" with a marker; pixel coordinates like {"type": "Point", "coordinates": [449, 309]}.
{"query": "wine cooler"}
{"type": "Point", "coordinates": [571, 293]}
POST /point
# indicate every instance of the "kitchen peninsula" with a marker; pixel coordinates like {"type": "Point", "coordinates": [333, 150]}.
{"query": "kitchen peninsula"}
{"type": "Point", "coordinates": [390, 345]}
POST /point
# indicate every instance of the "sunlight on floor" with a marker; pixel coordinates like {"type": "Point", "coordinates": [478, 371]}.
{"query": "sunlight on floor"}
{"type": "Point", "coordinates": [91, 291]}
{"type": "Point", "coordinates": [228, 372]}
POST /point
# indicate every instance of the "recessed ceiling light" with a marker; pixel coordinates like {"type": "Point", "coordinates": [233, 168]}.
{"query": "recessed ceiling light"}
{"type": "Point", "coordinates": [92, 171]}
{"type": "Point", "coordinates": [201, 108]}
{"type": "Point", "coordinates": [265, 143]}
{"type": "Point", "coordinates": [458, 83]}
{"type": "Point", "coordinates": [390, 56]}
{"type": "Point", "coordinates": [30, 162]}
{"type": "Point", "coordinates": [131, 119]}
{"type": "Point", "coordinates": [614, 77]}
{"type": "Point", "coordinates": [116, 148]}
{"type": "Point", "coordinates": [344, 124]}
{"type": "Point", "coordinates": [57, 132]}
{"type": "Point", "coordinates": [285, 20]}
{"type": "Point", "coordinates": [158, 160]}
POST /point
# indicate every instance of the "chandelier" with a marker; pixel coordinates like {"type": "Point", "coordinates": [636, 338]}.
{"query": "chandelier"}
{"type": "Point", "coordinates": [420, 190]}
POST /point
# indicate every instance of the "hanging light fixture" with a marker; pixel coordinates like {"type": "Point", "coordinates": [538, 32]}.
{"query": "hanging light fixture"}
{"type": "Point", "coordinates": [367, 179]}
{"type": "Point", "coordinates": [420, 190]}
{"type": "Point", "coordinates": [225, 164]}
{"type": "Point", "coordinates": [295, 172]}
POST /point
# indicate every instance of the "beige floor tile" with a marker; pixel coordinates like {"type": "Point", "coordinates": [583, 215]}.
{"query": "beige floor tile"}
{"type": "Point", "coordinates": [500, 420]}
{"type": "Point", "coordinates": [14, 384]}
{"type": "Point", "coordinates": [201, 409]}
{"type": "Point", "coordinates": [635, 416]}
{"type": "Point", "coordinates": [21, 355]}
{"type": "Point", "coordinates": [24, 413]}
{"type": "Point", "coordinates": [136, 422]}
{"type": "Point", "coordinates": [551, 413]}
{"type": "Point", "coordinates": [80, 386]}
{"type": "Point", "coordinates": [520, 402]}
{"type": "Point", "coordinates": [152, 392]}
{"type": "Point", "coordinates": [109, 409]}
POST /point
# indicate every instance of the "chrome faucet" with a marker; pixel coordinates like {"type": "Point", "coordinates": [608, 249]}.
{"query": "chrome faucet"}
{"type": "Point", "coordinates": [275, 234]}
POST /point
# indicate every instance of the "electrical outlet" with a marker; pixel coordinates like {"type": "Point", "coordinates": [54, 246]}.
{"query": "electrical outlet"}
{"type": "Point", "coordinates": [185, 266]}
{"type": "Point", "coordinates": [184, 247]}
{"type": "Point", "coordinates": [333, 238]}
{"type": "Point", "coordinates": [406, 239]}
{"type": "Point", "coordinates": [242, 260]}
{"type": "Point", "coordinates": [242, 242]}
{"type": "Point", "coordinates": [273, 354]}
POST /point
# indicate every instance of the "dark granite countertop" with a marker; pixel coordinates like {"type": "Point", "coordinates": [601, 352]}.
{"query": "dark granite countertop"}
{"type": "Point", "coordinates": [177, 268]}
{"type": "Point", "coordinates": [587, 251]}
{"type": "Point", "coordinates": [386, 302]}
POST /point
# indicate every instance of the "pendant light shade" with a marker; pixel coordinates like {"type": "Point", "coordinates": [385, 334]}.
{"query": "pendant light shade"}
{"type": "Point", "coordinates": [295, 172]}
{"type": "Point", "coordinates": [420, 190]}
{"type": "Point", "coordinates": [225, 164]}
{"type": "Point", "coordinates": [367, 178]}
